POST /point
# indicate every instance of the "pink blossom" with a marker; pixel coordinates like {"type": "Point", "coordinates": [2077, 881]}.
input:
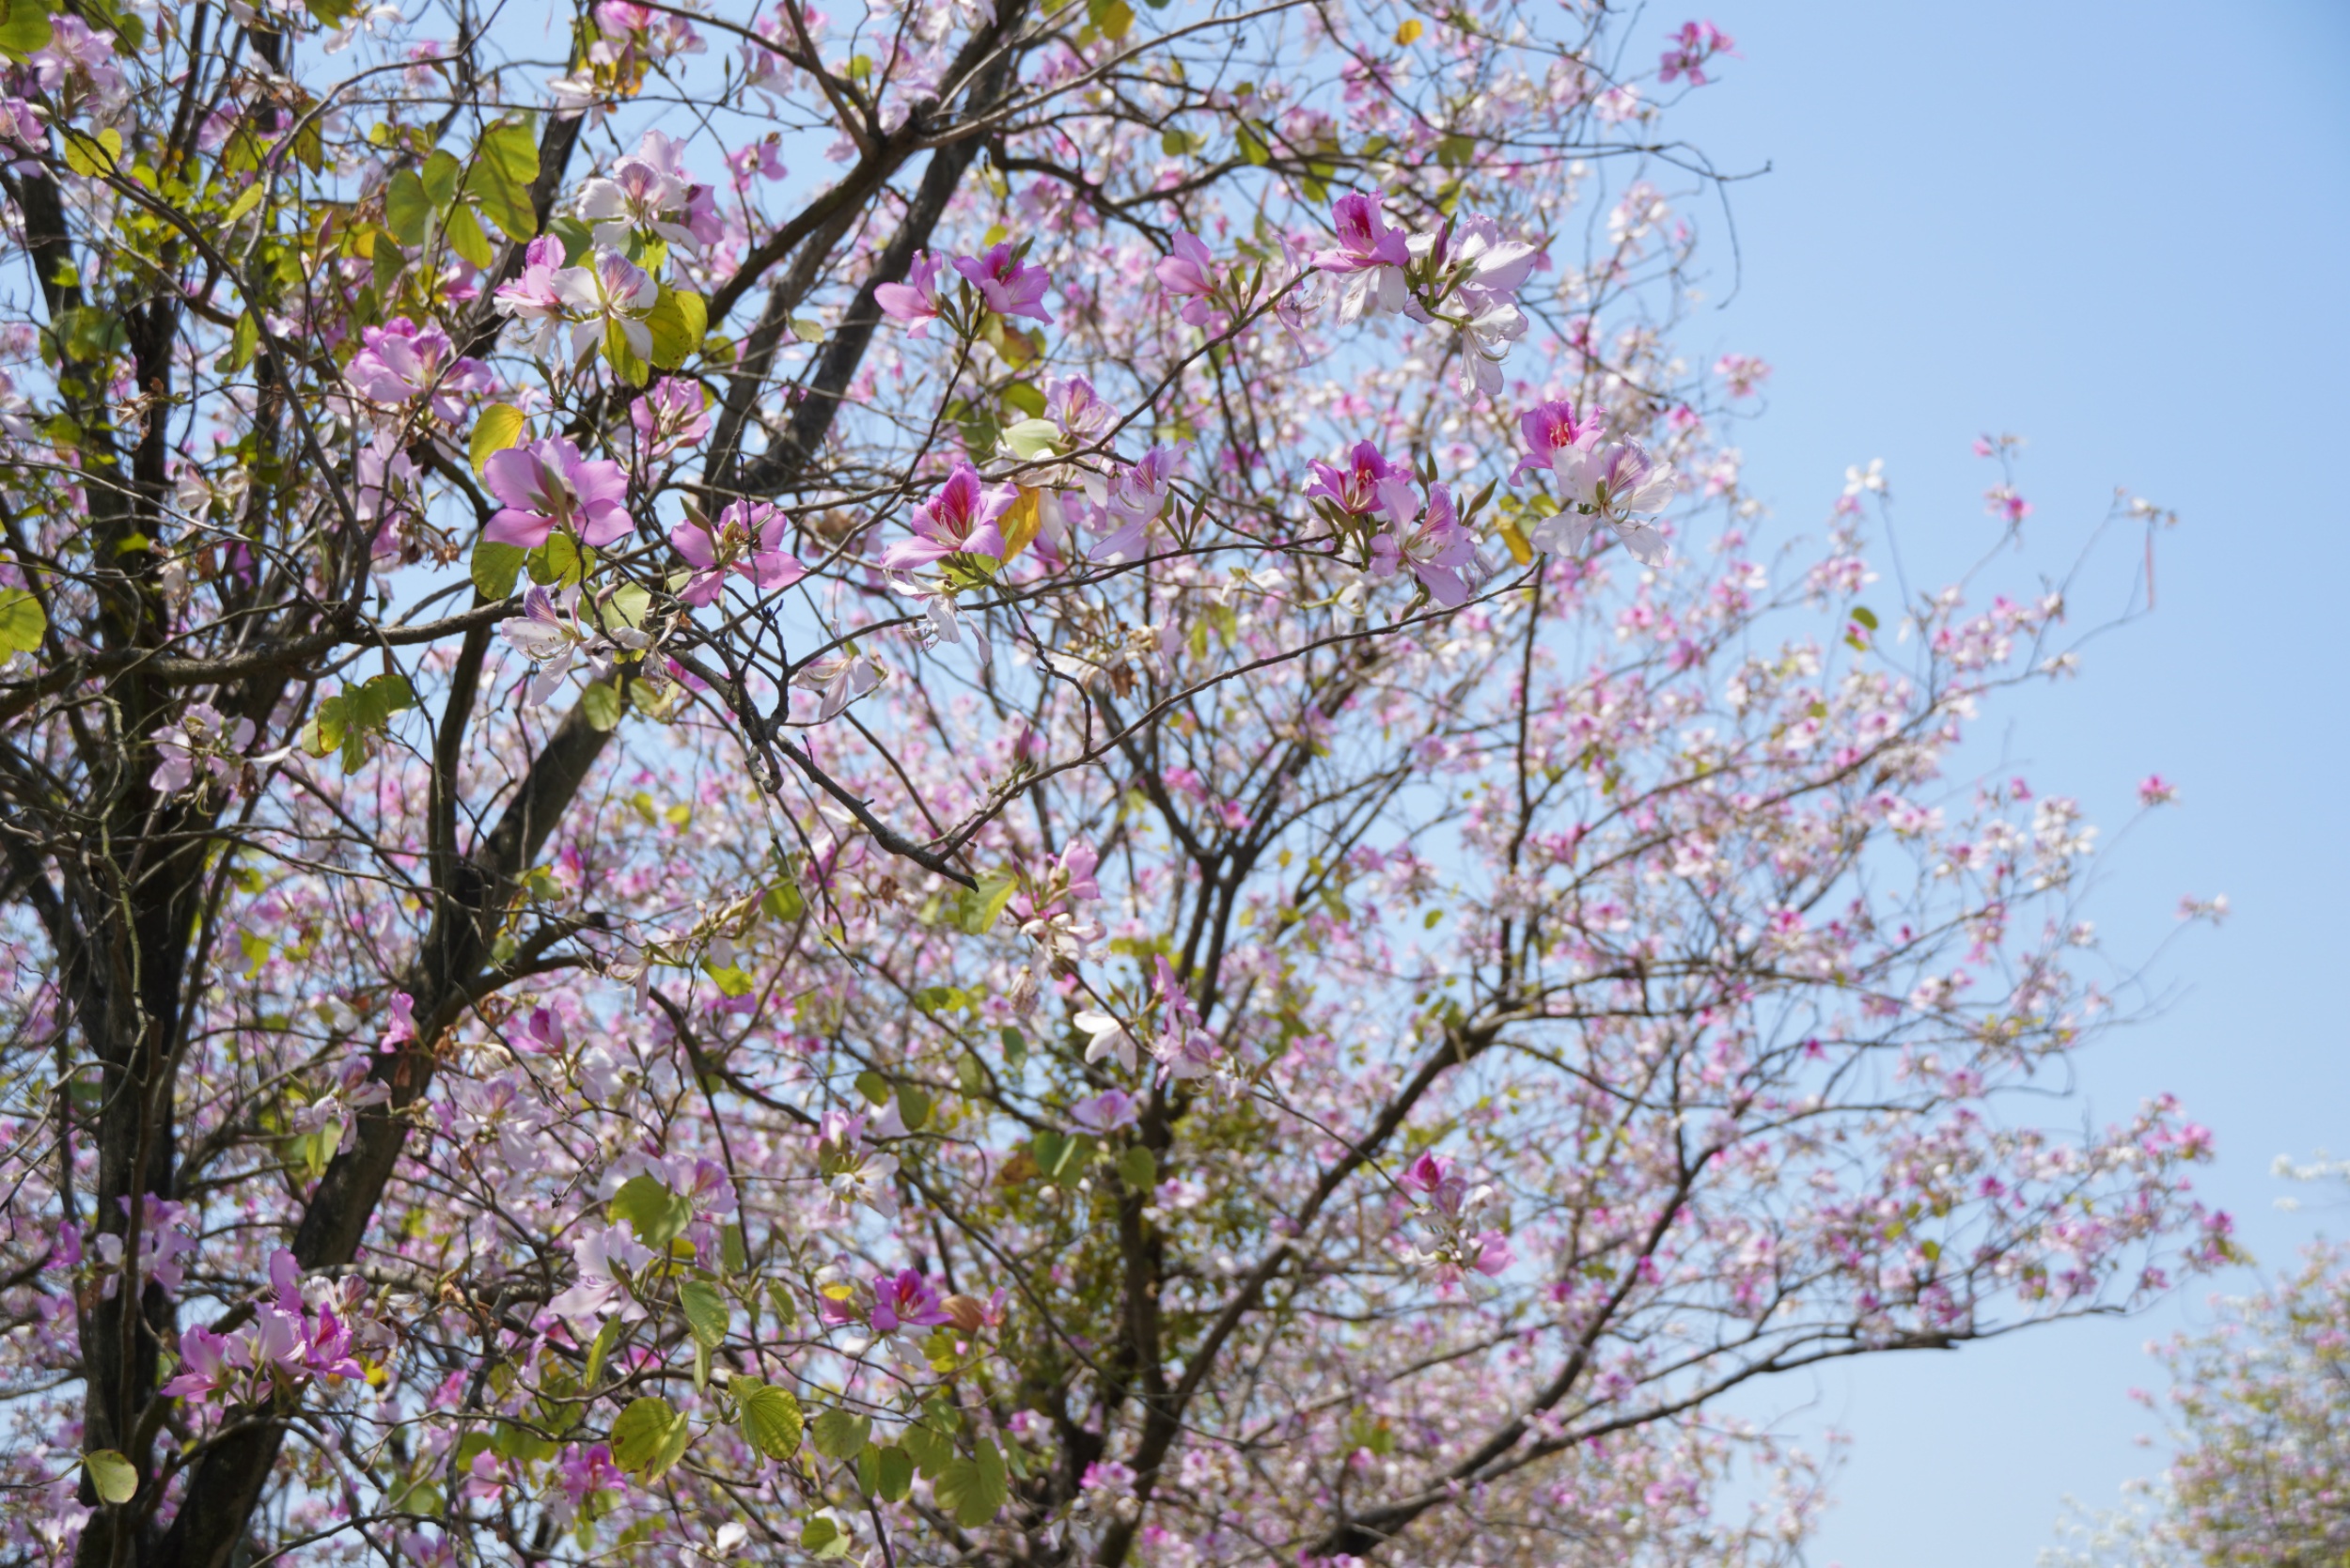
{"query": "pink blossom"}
{"type": "Point", "coordinates": [1106, 1112]}
{"type": "Point", "coordinates": [668, 416]}
{"type": "Point", "coordinates": [747, 540]}
{"type": "Point", "coordinates": [906, 1300]}
{"type": "Point", "coordinates": [1369, 255]}
{"type": "Point", "coordinates": [2154, 790]}
{"type": "Point", "coordinates": [917, 300]}
{"type": "Point", "coordinates": [611, 291]}
{"type": "Point", "coordinates": [1367, 485]}
{"type": "Point", "coordinates": [533, 297]}
{"type": "Point", "coordinates": [1134, 497]}
{"type": "Point", "coordinates": [205, 1366]}
{"type": "Point", "coordinates": [1437, 549]}
{"type": "Point", "coordinates": [548, 485]}
{"type": "Point", "coordinates": [402, 361]}
{"type": "Point", "coordinates": [1608, 485]}
{"type": "Point", "coordinates": [1009, 288]}
{"type": "Point", "coordinates": [1188, 273]}
{"type": "Point", "coordinates": [1696, 43]}
{"type": "Point", "coordinates": [959, 520]}
{"type": "Point", "coordinates": [1556, 437]}
{"type": "Point", "coordinates": [203, 743]}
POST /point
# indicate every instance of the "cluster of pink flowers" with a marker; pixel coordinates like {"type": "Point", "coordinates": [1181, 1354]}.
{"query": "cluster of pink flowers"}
{"type": "Point", "coordinates": [302, 1332]}
{"type": "Point", "coordinates": [1616, 482]}
{"type": "Point", "coordinates": [1462, 1239]}
{"type": "Point", "coordinates": [1692, 47]}
{"type": "Point", "coordinates": [1005, 284]}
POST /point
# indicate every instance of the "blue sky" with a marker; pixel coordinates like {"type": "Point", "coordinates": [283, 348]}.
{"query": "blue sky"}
{"type": "Point", "coordinates": [2122, 231]}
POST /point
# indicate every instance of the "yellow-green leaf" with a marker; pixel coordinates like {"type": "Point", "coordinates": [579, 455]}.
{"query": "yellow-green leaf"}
{"type": "Point", "coordinates": [705, 1308]}
{"type": "Point", "coordinates": [624, 357]}
{"type": "Point", "coordinates": [467, 240]}
{"type": "Point", "coordinates": [496, 567]}
{"type": "Point", "coordinates": [113, 1475]}
{"type": "Point", "coordinates": [657, 1216]}
{"type": "Point", "coordinates": [406, 208]}
{"type": "Point", "coordinates": [839, 1434]}
{"type": "Point", "coordinates": [975, 1488]}
{"type": "Point", "coordinates": [23, 621]}
{"type": "Point", "coordinates": [676, 322]}
{"type": "Point", "coordinates": [602, 703]}
{"type": "Point", "coordinates": [24, 28]}
{"type": "Point", "coordinates": [772, 1422]}
{"type": "Point", "coordinates": [649, 1437]}
{"type": "Point", "coordinates": [498, 428]}
{"type": "Point", "coordinates": [439, 175]}
{"type": "Point", "coordinates": [92, 156]}
{"type": "Point", "coordinates": [504, 166]}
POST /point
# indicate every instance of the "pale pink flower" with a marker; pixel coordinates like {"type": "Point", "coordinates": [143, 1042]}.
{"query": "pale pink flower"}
{"type": "Point", "coordinates": [548, 485]}
{"type": "Point", "coordinates": [1009, 288]}
{"type": "Point", "coordinates": [1188, 273]}
{"type": "Point", "coordinates": [959, 520]}
{"type": "Point", "coordinates": [747, 542]}
{"type": "Point", "coordinates": [917, 300]}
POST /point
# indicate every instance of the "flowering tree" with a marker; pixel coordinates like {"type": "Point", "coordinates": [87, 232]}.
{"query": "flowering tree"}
{"type": "Point", "coordinates": [1093, 839]}
{"type": "Point", "coordinates": [2260, 1422]}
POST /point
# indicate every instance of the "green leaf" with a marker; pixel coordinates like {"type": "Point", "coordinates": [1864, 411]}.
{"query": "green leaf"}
{"type": "Point", "coordinates": [439, 177]}
{"type": "Point", "coordinates": [914, 1108]}
{"type": "Point", "coordinates": [601, 704]}
{"type": "Point", "coordinates": [676, 322]}
{"type": "Point", "coordinates": [562, 560]}
{"type": "Point", "coordinates": [504, 166]}
{"type": "Point", "coordinates": [606, 1336]}
{"type": "Point", "coordinates": [406, 208]}
{"type": "Point", "coordinates": [243, 341]}
{"type": "Point", "coordinates": [649, 1437]}
{"type": "Point", "coordinates": [23, 621]}
{"type": "Point", "coordinates": [975, 909]}
{"type": "Point", "coordinates": [467, 240]}
{"type": "Point", "coordinates": [1030, 439]}
{"type": "Point", "coordinates": [931, 1451]}
{"type": "Point", "coordinates": [839, 1434]}
{"type": "Point", "coordinates": [823, 1540]}
{"type": "Point", "coordinates": [93, 155]}
{"type": "Point", "coordinates": [498, 428]}
{"type": "Point", "coordinates": [872, 1086]}
{"type": "Point", "coordinates": [1110, 18]}
{"type": "Point", "coordinates": [243, 204]}
{"type": "Point", "coordinates": [897, 1475]}
{"type": "Point", "coordinates": [1866, 615]}
{"type": "Point", "coordinates": [772, 1422]}
{"type": "Point", "coordinates": [783, 901]}
{"type": "Point", "coordinates": [1025, 398]}
{"type": "Point", "coordinates": [628, 606]}
{"type": "Point", "coordinates": [495, 568]}
{"type": "Point", "coordinates": [1137, 1170]}
{"type": "Point", "coordinates": [622, 355]}
{"type": "Point", "coordinates": [808, 331]}
{"type": "Point", "coordinates": [658, 1215]}
{"type": "Point", "coordinates": [113, 1475]}
{"type": "Point", "coordinates": [1252, 145]}
{"type": "Point", "coordinates": [24, 28]}
{"type": "Point", "coordinates": [1049, 1150]}
{"type": "Point", "coordinates": [1015, 1047]}
{"type": "Point", "coordinates": [730, 981]}
{"type": "Point", "coordinates": [975, 1488]}
{"type": "Point", "coordinates": [706, 1312]}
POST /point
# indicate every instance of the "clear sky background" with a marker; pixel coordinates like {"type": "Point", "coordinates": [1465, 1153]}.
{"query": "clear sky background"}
{"type": "Point", "coordinates": [2122, 231]}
